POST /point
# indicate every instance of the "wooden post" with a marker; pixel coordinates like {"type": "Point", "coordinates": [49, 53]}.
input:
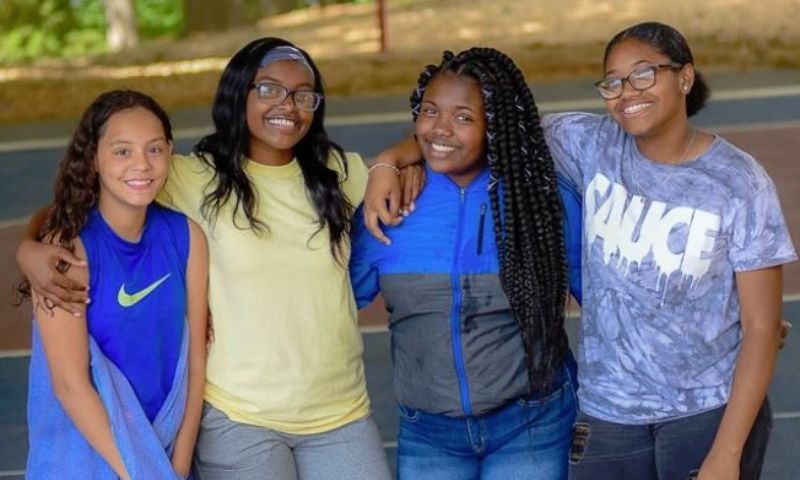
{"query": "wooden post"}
{"type": "Point", "coordinates": [381, 11]}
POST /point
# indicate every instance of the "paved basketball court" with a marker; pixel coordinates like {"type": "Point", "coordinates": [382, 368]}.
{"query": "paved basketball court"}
{"type": "Point", "coordinates": [765, 121]}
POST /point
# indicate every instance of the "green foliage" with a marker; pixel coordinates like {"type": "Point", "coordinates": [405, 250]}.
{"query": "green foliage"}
{"type": "Point", "coordinates": [31, 29]}
{"type": "Point", "coordinates": [30, 26]}
{"type": "Point", "coordinates": [159, 17]}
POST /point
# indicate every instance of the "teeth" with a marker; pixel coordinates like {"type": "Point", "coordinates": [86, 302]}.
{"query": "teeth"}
{"type": "Point", "coordinates": [281, 122]}
{"type": "Point", "coordinates": [138, 183]}
{"type": "Point", "coordinates": [439, 147]}
{"type": "Point", "coordinates": [636, 108]}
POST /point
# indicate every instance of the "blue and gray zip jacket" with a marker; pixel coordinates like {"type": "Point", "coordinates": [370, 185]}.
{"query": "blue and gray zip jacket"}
{"type": "Point", "coordinates": [456, 348]}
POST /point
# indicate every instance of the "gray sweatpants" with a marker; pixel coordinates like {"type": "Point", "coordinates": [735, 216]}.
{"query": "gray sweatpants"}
{"type": "Point", "coordinates": [229, 450]}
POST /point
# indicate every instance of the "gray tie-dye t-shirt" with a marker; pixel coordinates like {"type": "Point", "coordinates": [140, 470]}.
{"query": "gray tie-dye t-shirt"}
{"type": "Point", "coordinates": [660, 327]}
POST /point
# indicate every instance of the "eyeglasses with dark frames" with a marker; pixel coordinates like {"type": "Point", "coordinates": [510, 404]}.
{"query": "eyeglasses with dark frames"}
{"type": "Point", "coordinates": [640, 79]}
{"type": "Point", "coordinates": [306, 100]}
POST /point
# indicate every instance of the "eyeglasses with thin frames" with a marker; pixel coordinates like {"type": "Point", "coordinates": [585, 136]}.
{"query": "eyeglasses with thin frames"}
{"type": "Point", "coordinates": [306, 100]}
{"type": "Point", "coordinates": [640, 79]}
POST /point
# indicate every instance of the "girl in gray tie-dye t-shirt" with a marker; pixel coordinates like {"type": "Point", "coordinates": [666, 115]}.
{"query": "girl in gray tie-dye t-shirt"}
{"type": "Point", "coordinates": [676, 221]}
{"type": "Point", "coordinates": [662, 244]}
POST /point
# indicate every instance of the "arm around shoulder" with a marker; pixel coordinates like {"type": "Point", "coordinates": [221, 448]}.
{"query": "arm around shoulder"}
{"type": "Point", "coordinates": [354, 183]}
{"type": "Point", "coordinates": [37, 261]}
{"type": "Point", "coordinates": [402, 154]}
{"type": "Point", "coordinates": [571, 138]}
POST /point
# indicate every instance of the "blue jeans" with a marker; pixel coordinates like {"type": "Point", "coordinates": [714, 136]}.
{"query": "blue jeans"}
{"type": "Point", "coordinates": [528, 438]}
{"type": "Point", "coordinates": [669, 450]}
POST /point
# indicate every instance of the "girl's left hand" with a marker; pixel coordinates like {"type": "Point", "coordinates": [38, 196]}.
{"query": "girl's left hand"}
{"type": "Point", "coordinates": [715, 467]}
{"type": "Point", "coordinates": [786, 327]}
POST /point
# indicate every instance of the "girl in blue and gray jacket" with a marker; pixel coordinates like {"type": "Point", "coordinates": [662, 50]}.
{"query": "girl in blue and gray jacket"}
{"type": "Point", "coordinates": [483, 372]}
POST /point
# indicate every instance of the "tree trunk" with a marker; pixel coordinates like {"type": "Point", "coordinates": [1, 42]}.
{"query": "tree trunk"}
{"type": "Point", "coordinates": [380, 11]}
{"type": "Point", "coordinates": [121, 25]}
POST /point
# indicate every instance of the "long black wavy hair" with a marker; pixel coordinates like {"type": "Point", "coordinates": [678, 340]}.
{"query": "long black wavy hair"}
{"type": "Point", "coordinates": [528, 218]}
{"type": "Point", "coordinates": [227, 148]}
{"type": "Point", "coordinates": [77, 187]}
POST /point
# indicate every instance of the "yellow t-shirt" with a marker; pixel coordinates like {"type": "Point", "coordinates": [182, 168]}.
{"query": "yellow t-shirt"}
{"type": "Point", "coordinates": [287, 349]}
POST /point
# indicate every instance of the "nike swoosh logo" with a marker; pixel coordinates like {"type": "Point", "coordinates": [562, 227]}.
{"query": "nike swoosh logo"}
{"type": "Point", "coordinates": [127, 300]}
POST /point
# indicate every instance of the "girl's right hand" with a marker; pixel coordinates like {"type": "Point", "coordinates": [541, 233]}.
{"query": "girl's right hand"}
{"type": "Point", "coordinates": [38, 262]}
{"type": "Point", "coordinates": [382, 202]}
{"type": "Point", "coordinates": [391, 196]}
{"type": "Point", "coordinates": [412, 181]}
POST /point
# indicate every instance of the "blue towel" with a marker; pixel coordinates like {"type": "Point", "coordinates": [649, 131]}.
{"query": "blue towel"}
{"type": "Point", "coordinates": [59, 450]}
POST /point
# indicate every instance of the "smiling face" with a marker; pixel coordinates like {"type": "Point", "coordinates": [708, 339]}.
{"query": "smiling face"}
{"type": "Point", "coordinates": [275, 128]}
{"type": "Point", "coordinates": [653, 111]}
{"type": "Point", "coordinates": [132, 160]}
{"type": "Point", "coordinates": [451, 127]}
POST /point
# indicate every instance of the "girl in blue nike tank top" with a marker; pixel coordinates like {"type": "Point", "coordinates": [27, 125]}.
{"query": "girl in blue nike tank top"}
{"type": "Point", "coordinates": [116, 391]}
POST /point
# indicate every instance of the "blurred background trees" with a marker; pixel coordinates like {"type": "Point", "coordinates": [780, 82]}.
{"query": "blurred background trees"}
{"type": "Point", "coordinates": [32, 29]}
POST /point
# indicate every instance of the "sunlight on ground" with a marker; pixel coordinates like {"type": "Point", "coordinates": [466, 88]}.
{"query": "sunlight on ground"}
{"type": "Point", "coordinates": [548, 38]}
{"type": "Point", "coordinates": [163, 69]}
{"type": "Point", "coordinates": [431, 25]}
{"type": "Point", "coordinates": [587, 9]}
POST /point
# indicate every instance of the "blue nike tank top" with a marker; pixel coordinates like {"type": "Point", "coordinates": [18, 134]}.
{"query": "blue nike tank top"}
{"type": "Point", "coordinates": [138, 293]}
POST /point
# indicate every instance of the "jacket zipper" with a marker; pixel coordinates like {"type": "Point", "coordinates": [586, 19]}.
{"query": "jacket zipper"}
{"type": "Point", "coordinates": [480, 228]}
{"type": "Point", "coordinates": [455, 316]}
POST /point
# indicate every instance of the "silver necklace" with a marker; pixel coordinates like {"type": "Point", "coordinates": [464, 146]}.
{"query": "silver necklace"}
{"type": "Point", "coordinates": [680, 161]}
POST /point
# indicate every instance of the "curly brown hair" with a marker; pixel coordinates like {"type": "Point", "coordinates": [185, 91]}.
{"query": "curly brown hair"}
{"type": "Point", "coordinates": [77, 185]}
